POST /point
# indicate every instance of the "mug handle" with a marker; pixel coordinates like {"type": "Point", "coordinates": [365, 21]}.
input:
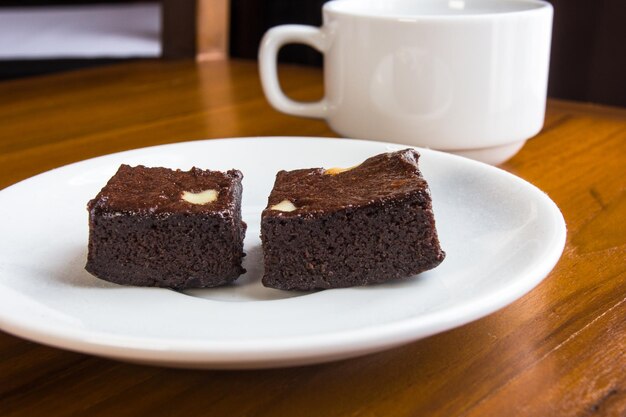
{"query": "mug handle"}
{"type": "Point", "coordinates": [272, 41]}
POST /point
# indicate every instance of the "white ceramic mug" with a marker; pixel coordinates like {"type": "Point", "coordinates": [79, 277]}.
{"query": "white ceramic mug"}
{"type": "Point", "coordinates": [465, 76]}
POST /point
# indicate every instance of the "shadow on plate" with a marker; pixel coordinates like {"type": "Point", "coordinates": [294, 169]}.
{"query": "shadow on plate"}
{"type": "Point", "coordinates": [70, 270]}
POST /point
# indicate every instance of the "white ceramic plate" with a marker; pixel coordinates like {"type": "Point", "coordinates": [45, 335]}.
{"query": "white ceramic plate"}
{"type": "Point", "coordinates": [501, 234]}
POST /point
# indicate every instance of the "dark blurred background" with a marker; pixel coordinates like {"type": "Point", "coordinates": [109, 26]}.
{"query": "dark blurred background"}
{"type": "Point", "coordinates": [588, 61]}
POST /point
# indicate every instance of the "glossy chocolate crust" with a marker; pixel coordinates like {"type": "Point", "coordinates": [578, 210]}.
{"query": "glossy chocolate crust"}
{"type": "Point", "coordinates": [367, 225]}
{"type": "Point", "coordinates": [141, 231]}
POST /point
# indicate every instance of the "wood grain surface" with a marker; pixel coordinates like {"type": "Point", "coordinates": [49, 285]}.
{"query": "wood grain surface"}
{"type": "Point", "coordinates": [558, 351]}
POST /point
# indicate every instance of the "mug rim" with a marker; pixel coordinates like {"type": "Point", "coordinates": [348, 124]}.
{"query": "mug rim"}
{"type": "Point", "coordinates": [540, 6]}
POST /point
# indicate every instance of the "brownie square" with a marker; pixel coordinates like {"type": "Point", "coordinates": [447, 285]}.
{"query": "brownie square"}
{"type": "Point", "coordinates": [164, 228]}
{"type": "Point", "coordinates": [349, 227]}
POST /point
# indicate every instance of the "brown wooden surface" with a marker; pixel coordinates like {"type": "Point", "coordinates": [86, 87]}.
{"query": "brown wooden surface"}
{"type": "Point", "coordinates": [558, 351]}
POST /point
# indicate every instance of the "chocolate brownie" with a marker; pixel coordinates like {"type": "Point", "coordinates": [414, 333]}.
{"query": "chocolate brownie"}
{"type": "Point", "coordinates": [346, 227]}
{"type": "Point", "coordinates": [164, 228]}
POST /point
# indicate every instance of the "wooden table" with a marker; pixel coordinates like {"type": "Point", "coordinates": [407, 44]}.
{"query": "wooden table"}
{"type": "Point", "coordinates": [559, 351]}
